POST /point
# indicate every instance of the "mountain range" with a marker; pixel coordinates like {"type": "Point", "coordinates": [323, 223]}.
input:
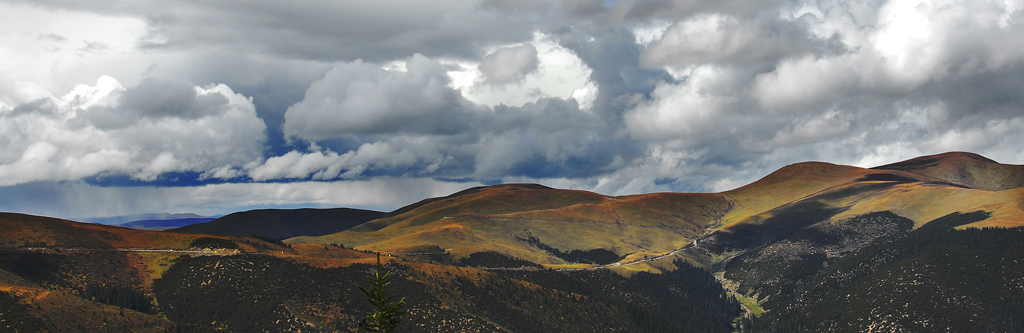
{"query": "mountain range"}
{"type": "Point", "coordinates": [934, 243]}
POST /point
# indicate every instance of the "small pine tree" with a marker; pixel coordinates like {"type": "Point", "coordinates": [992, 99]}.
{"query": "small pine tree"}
{"type": "Point", "coordinates": [385, 317]}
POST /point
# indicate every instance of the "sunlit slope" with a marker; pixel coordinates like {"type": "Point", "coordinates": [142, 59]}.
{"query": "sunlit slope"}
{"type": "Point", "coordinates": [924, 202]}
{"type": "Point", "coordinates": [921, 189]}
{"type": "Point", "coordinates": [917, 200]}
{"type": "Point", "coordinates": [969, 169]}
{"type": "Point", "coordinates": [520, 222]}
{"type": "Point", "coordinates": [498, 199]}
{"type": "Point", "coordinates": [797, 181]}
{"type": "Point", "coordinates": [21, 231]}
{"type": "Point", "coordinates": [536, 223]}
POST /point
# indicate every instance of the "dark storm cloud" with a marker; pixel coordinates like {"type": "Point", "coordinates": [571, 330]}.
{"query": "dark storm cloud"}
{"type": "Point", "coordinates": [613, 54]}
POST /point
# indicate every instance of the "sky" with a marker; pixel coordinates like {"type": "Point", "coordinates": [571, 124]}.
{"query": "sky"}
{"type": "Point", "coordinates": [116, 107]}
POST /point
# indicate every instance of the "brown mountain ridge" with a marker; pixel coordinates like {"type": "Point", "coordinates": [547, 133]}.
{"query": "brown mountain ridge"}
{"type": "Point", "coordinates": [928, 244]}
{"type": "Point", "coordinates": [528, 221]}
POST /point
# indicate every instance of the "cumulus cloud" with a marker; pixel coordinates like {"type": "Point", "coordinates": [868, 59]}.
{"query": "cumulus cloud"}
{"type": "Point", "coordinates": [511, 76]}
{"type": "Point", "coordinates": [615, 96]}
{"type": "Point", "coordinates": [326, 165]}
{"type": "Point", "coordinates": [411, 122]}
{"type": "Point", "coordinates": [855, 84]}
{"type": "Point", "coordinates": [145, 131]}
{"type": "Point", "coordinates": [509, 64]}
{"type": "Point", "coordinates": [362, 98]}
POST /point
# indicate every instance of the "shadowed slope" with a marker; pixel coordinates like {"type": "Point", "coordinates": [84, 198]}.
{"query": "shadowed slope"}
{"type": "Point", "coordinates": [284, 223]}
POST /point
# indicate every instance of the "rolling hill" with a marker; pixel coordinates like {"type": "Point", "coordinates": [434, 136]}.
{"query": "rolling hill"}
{"type": "Point", "coordinates": [541, 224]}
{"type": "Point", "coordinates": [537, 224]}
{"type": "Point", "coordinates": [63, 276]}
{"type": "Point", "coordinates": [284, 223]}
{"type": "Point", "coordinates": [969, 169]}
{"type": "Point", "coordinates": [934, 243]}
{"type": "Point", "coordinates": [59, 275]}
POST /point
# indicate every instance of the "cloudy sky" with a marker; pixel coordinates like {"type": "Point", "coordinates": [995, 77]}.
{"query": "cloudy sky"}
{"type": "Point", "coordinates": [113, 107]}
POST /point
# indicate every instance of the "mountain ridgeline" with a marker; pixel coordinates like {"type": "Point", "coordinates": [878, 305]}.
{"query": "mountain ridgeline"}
{"type": "Point", "coordinates": [935, 243]}
{"type": "Point", "coordinates": [283, 223]}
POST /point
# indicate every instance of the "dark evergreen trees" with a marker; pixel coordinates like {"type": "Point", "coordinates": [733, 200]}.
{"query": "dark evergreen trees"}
{"type": "Point", "coordinates": [384, 316]}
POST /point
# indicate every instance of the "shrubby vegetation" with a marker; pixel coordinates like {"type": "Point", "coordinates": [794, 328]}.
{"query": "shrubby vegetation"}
{"type": "Point", "coordinates": [212, 243]}
{"type": "Point", "coordinates": [935, 278]}
{"type": "Point", "coordinates": [494, 259]}
{"type": "Point", "coordinates": [593, 256]}
{"type": "Point", "coordinates": [256, 292]}
{"type": "Point", "coordinates": [120, 296]}
{"type": "Point", "coordinates": [15, 316]}
{"type": "Point", "coordinates": [687, 299]}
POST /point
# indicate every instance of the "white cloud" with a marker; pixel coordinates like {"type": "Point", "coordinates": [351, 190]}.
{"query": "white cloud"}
{"type": "Point", "coordinates": [108, 129]}
{"type": "Point", "coordinates": [558, 73]}
{"type": "Point", "coordinates": [52, 50]}
{"type": "Point", "coordinates": [698, 110]}
{"type": "Point", "coordinates": [320, 164]}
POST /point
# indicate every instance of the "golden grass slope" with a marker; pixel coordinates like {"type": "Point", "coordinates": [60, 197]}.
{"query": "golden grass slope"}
{"type": "Point", "coordinates": [503, 218]}
{"type": "Point", "coordinates": [972, 170]}
{"type": "Point", "coordinates": [921, 189]}
{"type": "Point", "coordinates": [795, 182]}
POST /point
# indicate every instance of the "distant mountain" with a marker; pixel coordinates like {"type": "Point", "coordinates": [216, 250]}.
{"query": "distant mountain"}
{"type": "Point", "coordinates": [164, 224]}
{"type": "Point", "coordinates": [115, 220]}
{"type": "Point", "coordinates": [284, 223]}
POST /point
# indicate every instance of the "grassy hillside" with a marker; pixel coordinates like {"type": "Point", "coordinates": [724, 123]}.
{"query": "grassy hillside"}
{"type": "Point", "coordinates": [533, 223]}
{"type": "Point", "coordinates": [97, 283]}
{"type": "Point", "coordinates": [810, 247]}
{"type": "Point", "coordinates": [542, 225]}
{"type": "Point", "coordinates": [972, 170]}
